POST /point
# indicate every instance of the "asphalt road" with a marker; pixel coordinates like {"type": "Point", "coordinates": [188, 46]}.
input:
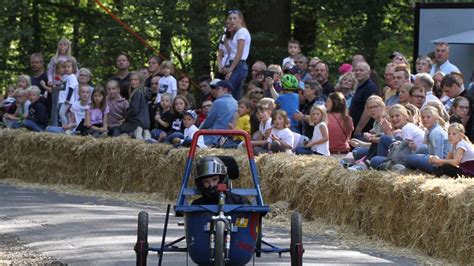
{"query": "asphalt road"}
{"type": "Point", "coordinates": [79, 230]}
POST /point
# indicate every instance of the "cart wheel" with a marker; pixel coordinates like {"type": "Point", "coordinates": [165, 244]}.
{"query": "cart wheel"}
{"type": "Point", "coordinates": [141, 248]}
{"type": "Point", "coordinates": [219, 251]}
{"type": "Point", "coordinates": [296, 245]}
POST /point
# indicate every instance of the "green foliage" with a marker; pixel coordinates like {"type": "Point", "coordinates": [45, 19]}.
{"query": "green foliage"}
{"type": "Point", "coordinates": [188, 31]}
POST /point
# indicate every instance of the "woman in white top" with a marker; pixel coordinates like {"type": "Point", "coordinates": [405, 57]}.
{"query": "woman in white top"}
{"type": "Point", "coordinates": [237, 69]}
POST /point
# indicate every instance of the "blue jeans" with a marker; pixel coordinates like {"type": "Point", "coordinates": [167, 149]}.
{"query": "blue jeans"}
{"type": "Point", "coordinates": [376, 161]}
{"type": "Point", "coordinates": [55, 129]}
{"type": "Point", "coordinates": [420, 161]}
{"type": "Point", "coordinates": [384, 144]}
{"type": "Point", "coordinates": [28, 124]}
{"type": "Point", "coordinates": [360, 152]}
{"type": "Point", "coordinates": [237, 79]}
{"type": "Point", "coordinates": [304, 150]}
{"type": "Point", "coordinates": [170, 137]}
{"type": "Point", "coordinates": [155, 133]}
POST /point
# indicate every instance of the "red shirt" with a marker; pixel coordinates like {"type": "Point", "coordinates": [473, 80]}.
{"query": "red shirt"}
{"type": "Point", "coordinates": [339, 132]}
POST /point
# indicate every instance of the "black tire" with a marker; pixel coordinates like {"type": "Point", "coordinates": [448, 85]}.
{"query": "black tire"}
{"type": "Point", "coordinates": [141, 248]}
{"type": "Point", "coordinates": [296, 245]}
{"type": "Point", "coordinates": [219, 258]}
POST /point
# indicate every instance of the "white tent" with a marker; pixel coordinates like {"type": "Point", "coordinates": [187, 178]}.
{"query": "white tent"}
{"type": "Point", "coordinates": [466, 37]}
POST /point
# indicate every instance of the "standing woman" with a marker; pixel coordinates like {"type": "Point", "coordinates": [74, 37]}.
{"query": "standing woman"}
{"type": "Point", "coordinates": [153, 69]}
{"type": "Point", "coordinates": [239, 51]}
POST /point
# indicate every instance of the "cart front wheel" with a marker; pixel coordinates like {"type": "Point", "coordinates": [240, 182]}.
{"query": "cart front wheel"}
{"type": "Point", "coordinates": [219, 259]}
{"type": "Point", "coordinates": [141, 247]}
{"type": "Point", "coordinates": [296, 245]}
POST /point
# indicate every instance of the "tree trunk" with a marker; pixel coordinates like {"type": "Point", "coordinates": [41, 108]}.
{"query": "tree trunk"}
{"type": "Point", "coordinates": [36, 24]}
{"type": "Point", "coordinates": [305, 25]}
{"type": "Point", "coordinates": [166, 28]}
{"type": "Point", "coordinates": [76, 32]}
{"type": "Point", "coordinates": [198, 28]}
{"type": "Point", "coordinates": [270, 31]}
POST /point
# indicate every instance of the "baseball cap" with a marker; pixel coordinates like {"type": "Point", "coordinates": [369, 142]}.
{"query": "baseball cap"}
{"type": "Point", "coordinates": [214, 82]}
{"type": "Point", "coordinates": [191, 113]}
{"type": "Point", "coordinates": [224, 84]}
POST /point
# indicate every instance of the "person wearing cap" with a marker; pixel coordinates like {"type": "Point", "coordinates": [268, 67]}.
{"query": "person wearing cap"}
{"type": "Point", "coordinates": [189, 121]}
{"type": "Point", "coordinates": [222, 111]}
{"type": "Point", "coordinates": [442, 60]}
{"type": "Point", "coordinates": [211, 171]}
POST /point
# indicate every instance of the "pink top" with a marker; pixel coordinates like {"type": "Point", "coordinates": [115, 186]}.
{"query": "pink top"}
{"type": "Point", "coordinates": [339, 132]}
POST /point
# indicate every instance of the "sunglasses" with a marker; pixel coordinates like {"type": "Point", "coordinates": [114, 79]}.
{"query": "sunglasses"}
{"type": "Point", "coordinates": [235, 11]}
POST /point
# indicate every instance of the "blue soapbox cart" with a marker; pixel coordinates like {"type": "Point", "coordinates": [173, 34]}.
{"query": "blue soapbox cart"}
{"type": "Point", "coordinates": [220, 234]}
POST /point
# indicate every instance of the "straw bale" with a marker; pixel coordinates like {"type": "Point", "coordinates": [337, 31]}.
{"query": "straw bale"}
{"type": "Point", "coordinates": [412, 210]}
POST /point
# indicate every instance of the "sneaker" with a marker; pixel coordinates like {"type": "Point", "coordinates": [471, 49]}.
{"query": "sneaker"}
{"type": "Point", "coordinates": [146, 134]}
{"type": "Point", "coordinates": [69, 132]}
{"type": "Point", "coordinates": [398, 168]}
{"type": "Point", "coordinates": [347, 162]}
{"type": "Point", "coordinates": [138, 133]}
{"type": "Point", "coordinates": [103, 135]}
{"type": "Point", "coordinates": [358, 167]}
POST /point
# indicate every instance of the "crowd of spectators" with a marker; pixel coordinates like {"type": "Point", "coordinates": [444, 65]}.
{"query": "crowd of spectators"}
{"type": "Point", "coordinates": [290, 106]}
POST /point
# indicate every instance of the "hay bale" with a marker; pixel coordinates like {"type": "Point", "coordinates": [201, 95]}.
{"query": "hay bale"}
{"type": "Point", "coordinates": [435, 215]}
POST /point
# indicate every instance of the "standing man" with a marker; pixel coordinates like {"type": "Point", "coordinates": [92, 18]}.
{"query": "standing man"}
{"type": "Point", "coordinates": [222, 111]}
{"type": "Point", "coordinates": [442, 60]}
{"type": "Point", "coordinates": [321, 75]}
{"type": "Point", "coordinates": [123, 74]}
{"type": "Point", "coordinates": [40, 76]}
{"type": "Point", "coordinates": [366, 88]}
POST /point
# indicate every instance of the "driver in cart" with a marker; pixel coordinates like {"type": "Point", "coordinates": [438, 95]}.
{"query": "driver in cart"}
{"type": "Point", "coordinates": [211, 171]}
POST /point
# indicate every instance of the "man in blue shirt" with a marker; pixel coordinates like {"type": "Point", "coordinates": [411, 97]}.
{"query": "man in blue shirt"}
{"type": "Point", "coordinates": [222, 111]}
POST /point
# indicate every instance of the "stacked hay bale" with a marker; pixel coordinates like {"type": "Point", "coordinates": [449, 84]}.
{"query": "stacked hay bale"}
{"type": "Point", "coordinates": [421, 211]}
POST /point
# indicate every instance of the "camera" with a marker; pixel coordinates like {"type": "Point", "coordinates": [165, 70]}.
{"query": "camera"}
{"type": "Point", "coordinates": [268, 74]}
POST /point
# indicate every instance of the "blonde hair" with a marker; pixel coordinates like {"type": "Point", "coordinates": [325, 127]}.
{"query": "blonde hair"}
{"type": "Point", "coordinates": [141, 79]}
{"type": "Point", "coordinates": [398, 108]}
{"type": "Point", "coordinates": [69, 49]}
{"type": "Point", "coordinates": [322, 110]}
{"type": "Point", "coordinates": [375, 99]}
{"type": "Point", "coordinates": [460, 128]}
{"type": "Point", "coordinates": [434, 112]}
{"type": "Point", "coordinates": [34, 89]}
{"type": "Point", "coordinates": [441, 111]}
{"type": "Point", "coordinates": [269, 102]}
{"type": "Point", "coordinates": [25, 78]}
{"type": "Point", "coordinates": [413, 113]}
{"type": "Point", "coordinates": [167, 95]}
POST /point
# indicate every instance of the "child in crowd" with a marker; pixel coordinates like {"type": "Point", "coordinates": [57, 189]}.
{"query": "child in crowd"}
{"type": "Point", "coordinates": [319, 143]}
{"type": "Point", "coordinates": [8, 101]}
{"type": "Point", "coordinates": [400, 120]}
{"type": "Point", "coordinates": [76, 114]}
{"type": "Point", "coordinates": [37, 118]}
{"type": "Point", "coordinates": [189, 120]}
{"type": "Point", "coordinates": [163, 118]}
{"type": "Point", "coordinates": [294, 48]}
{"type": "Point", "coordinates": [206, 106]}
{"type": "Point", "coordinates": [242, 123]}
{"type": "Point", "coordinates": [288, 100]}
{"type": "Point", "coordinates": [460, 160]}
{"type": "Point", "coordinates": [63, 53]}
{"type": "Point", "coordinates": [259, 139]}
{"type": "Point", "coordinates": [436, 138]}
{"type": "Point", "coordinates": [137, 117]}
{"type": "Point", "coordinates": [339, 123]}
{"type": "Point", "coordinates": [96, 123]}
{"type": "Point", "coordinates": [21, 111]}
{"type": "Point", "coordinates": [281, 137]}
{"type": "Point", "coordinates": [117, 108]}
{"type": "Point", "coordinates": [180, 105]}
{"type": "Point", "coordinates": [66, 95]}
{"type": "Point", "coordinates": [167, 82]}
{"type": "Point", "coordinates": [23, 82]}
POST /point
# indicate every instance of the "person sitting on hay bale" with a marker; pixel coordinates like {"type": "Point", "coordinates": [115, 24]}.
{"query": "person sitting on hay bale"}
{"type": "Point", "coordinates": [211, 171]}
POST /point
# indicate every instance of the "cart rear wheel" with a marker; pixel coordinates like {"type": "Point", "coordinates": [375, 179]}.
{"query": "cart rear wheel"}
{"type": "Point", "coordinates": [296, 245]}
{"type": "Point", "coordinates": [220, 238]}
{"type": "Point", "coordinates": [141, 248]}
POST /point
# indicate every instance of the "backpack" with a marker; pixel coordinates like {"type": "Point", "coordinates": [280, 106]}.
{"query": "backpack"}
{"type": "Point", "coordinates": [397, 154]}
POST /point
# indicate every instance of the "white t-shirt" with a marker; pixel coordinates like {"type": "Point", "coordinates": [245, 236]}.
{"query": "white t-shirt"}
{"type": "Point", "coordinates": [411, 132]}
{"type": "Point", "coordinates": [241, 34]}
{"type": "Point", "coordinates": [70, 81]}
{"type": "Point", "coordinates": [167, 85]}
{"type": "Point", "coordinates": [468, 150]}
{"type": "Point", "coordinates": [285, 135]}
{"type": "Point", "coordinates": [76, 92]}
{"type": "Point", "coordinates": [322, 148]}
{"type": "Point", "coordinates": [79, 111]}
{"type": "Point", "coordinates": [189, 132]}
{"type": "Point", "coordinates": [225, 54]}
